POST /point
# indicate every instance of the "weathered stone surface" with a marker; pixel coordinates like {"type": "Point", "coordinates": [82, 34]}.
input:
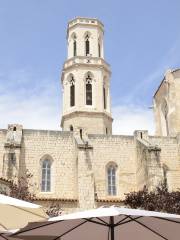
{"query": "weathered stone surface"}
{"type": "Point", "coordinates": [167, 104]}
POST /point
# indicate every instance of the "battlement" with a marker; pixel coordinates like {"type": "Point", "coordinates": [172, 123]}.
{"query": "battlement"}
{"type": "Point", "coordinates": [85, 21]}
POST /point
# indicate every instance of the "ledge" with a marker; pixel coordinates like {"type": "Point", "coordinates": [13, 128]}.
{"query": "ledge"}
{"type": "Point", "coordinates": [84, 114]}
{"type": "Point", "coordinates": [12, 145]}
{"type": "Point", "coordinates": [87, 61]}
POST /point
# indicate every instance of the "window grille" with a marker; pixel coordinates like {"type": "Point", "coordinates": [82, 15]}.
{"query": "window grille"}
{"type": "Point", "coordinates": [111, 174]}
{"type": "Point", "coordinates": [46, 176]}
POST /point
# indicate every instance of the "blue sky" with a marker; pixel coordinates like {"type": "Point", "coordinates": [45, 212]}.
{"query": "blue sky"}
{"type": "Point", "coordinates": [142, 40]}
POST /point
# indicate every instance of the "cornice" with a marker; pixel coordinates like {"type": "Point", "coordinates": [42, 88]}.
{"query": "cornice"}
{"type": "Point", "coordinates": [78, 113]}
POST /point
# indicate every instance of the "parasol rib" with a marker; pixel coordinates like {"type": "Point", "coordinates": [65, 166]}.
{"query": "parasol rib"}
{"type": "Point", "coordinates": [70, 230]}
{"type": "Point", "coordinates": [3, 226]}
{"type": "Point", "coordinates": [32, 228]}
{"type": "Point", "coordinates": [93, 221]}
{"type": "Point", "coordinates": [2, 235]}
{"type": "Point", "coordinates": [167, 219]}
{"type": "Point", "coordinates": [102, 220]}
{"type": "Point", "coordinates": [121, 222]}
{"type": "Point", "coordinates": [118, 223]}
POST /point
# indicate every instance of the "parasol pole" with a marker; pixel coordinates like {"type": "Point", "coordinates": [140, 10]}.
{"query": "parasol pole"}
{"type": "Point", "coordinates": [112, 227]}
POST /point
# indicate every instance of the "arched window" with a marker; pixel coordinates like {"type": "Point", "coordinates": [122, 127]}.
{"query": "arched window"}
{"type": "Point", "coordinates": [111, 180]}
{"type": "Point", "coordinates": [12, 158]}
{"type": "Point", "coordinates": [99, 49]}
{"type": "Point", "coordinates": [74, 48]}
{"type": "Point", "coordinates": [46, 176]}
{"type": "Point", "coordinates": [87, 45]}
{"type": "Point", "coordinates": [80, 131]}
{"type": "Point", "coordinates": [104, 96]}
{"type": "Point", "coordinates": [72, 91]}
{"type": "Point", "coordinates": [74, 42]}
{"type": "Point", "coordinates": [71, 128]}
{"type": "Point", "coordinates": [88, 90]}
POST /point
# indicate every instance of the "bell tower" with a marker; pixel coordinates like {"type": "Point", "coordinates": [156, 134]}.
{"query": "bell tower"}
{"type": "Point", "coordinates": [86, 79]}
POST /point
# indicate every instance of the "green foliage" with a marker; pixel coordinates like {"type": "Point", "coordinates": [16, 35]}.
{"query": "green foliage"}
{"type": "Point", "coordinates": [160, 200]}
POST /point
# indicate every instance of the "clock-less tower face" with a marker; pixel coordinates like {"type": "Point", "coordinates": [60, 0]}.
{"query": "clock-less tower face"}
{"type": "Point", "coordinates": [86, 79]}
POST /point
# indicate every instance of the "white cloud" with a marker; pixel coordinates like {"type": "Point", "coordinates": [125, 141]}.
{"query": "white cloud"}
{"type": "Point", "coordinates": [127, 119]}
{"type": "Point", "coordinates": [24, 100]}
{"type": "Point", "coordinates": [34, 112]}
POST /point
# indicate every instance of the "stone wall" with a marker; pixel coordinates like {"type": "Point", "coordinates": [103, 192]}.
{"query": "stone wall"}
{"type": "Point", "coordinates": [148, 165]}
{"type": "Point", "coordinates": [58, 147]}
{"type": "Point", "coordinates": [168, 96]}
{"type": "Point", "coordinates": [79, 165]}
{"type": "Point", "coordinates": [4, 185]}
{"type": "Point", "coordinates": [119, 150]}
{"type": "Point", "coordinates": [91, 122]}
{"type": "Point", "coordinates": [2, 150]}
{"type": "Point", "coordinates": [169, 159]}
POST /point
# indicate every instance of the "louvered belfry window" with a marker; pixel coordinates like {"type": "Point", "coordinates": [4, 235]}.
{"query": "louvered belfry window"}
{"type": "Point", "coordinates": [88, 90]}
{"type": "Point", "coordinates": [74, 48]}
{"type": "Point", "coordinates": [72, 92]}
{"type": "Point", "coordinates": [87, 45]}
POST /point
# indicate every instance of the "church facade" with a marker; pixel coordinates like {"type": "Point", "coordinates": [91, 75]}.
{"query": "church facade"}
{"type": "Point", "coordinates": [85, 165]}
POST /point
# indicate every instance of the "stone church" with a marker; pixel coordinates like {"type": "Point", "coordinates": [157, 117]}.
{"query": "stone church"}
{"type": "Point", "coordinates": [84, 165]}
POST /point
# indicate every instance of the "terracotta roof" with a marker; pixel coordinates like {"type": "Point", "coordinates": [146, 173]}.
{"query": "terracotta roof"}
{"type": "Point", "coordinates": [109, 200]}
{"type": "Point", "coordinates": [5, 180]}
{"type": "Point", "coordinates": [55, 199]}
